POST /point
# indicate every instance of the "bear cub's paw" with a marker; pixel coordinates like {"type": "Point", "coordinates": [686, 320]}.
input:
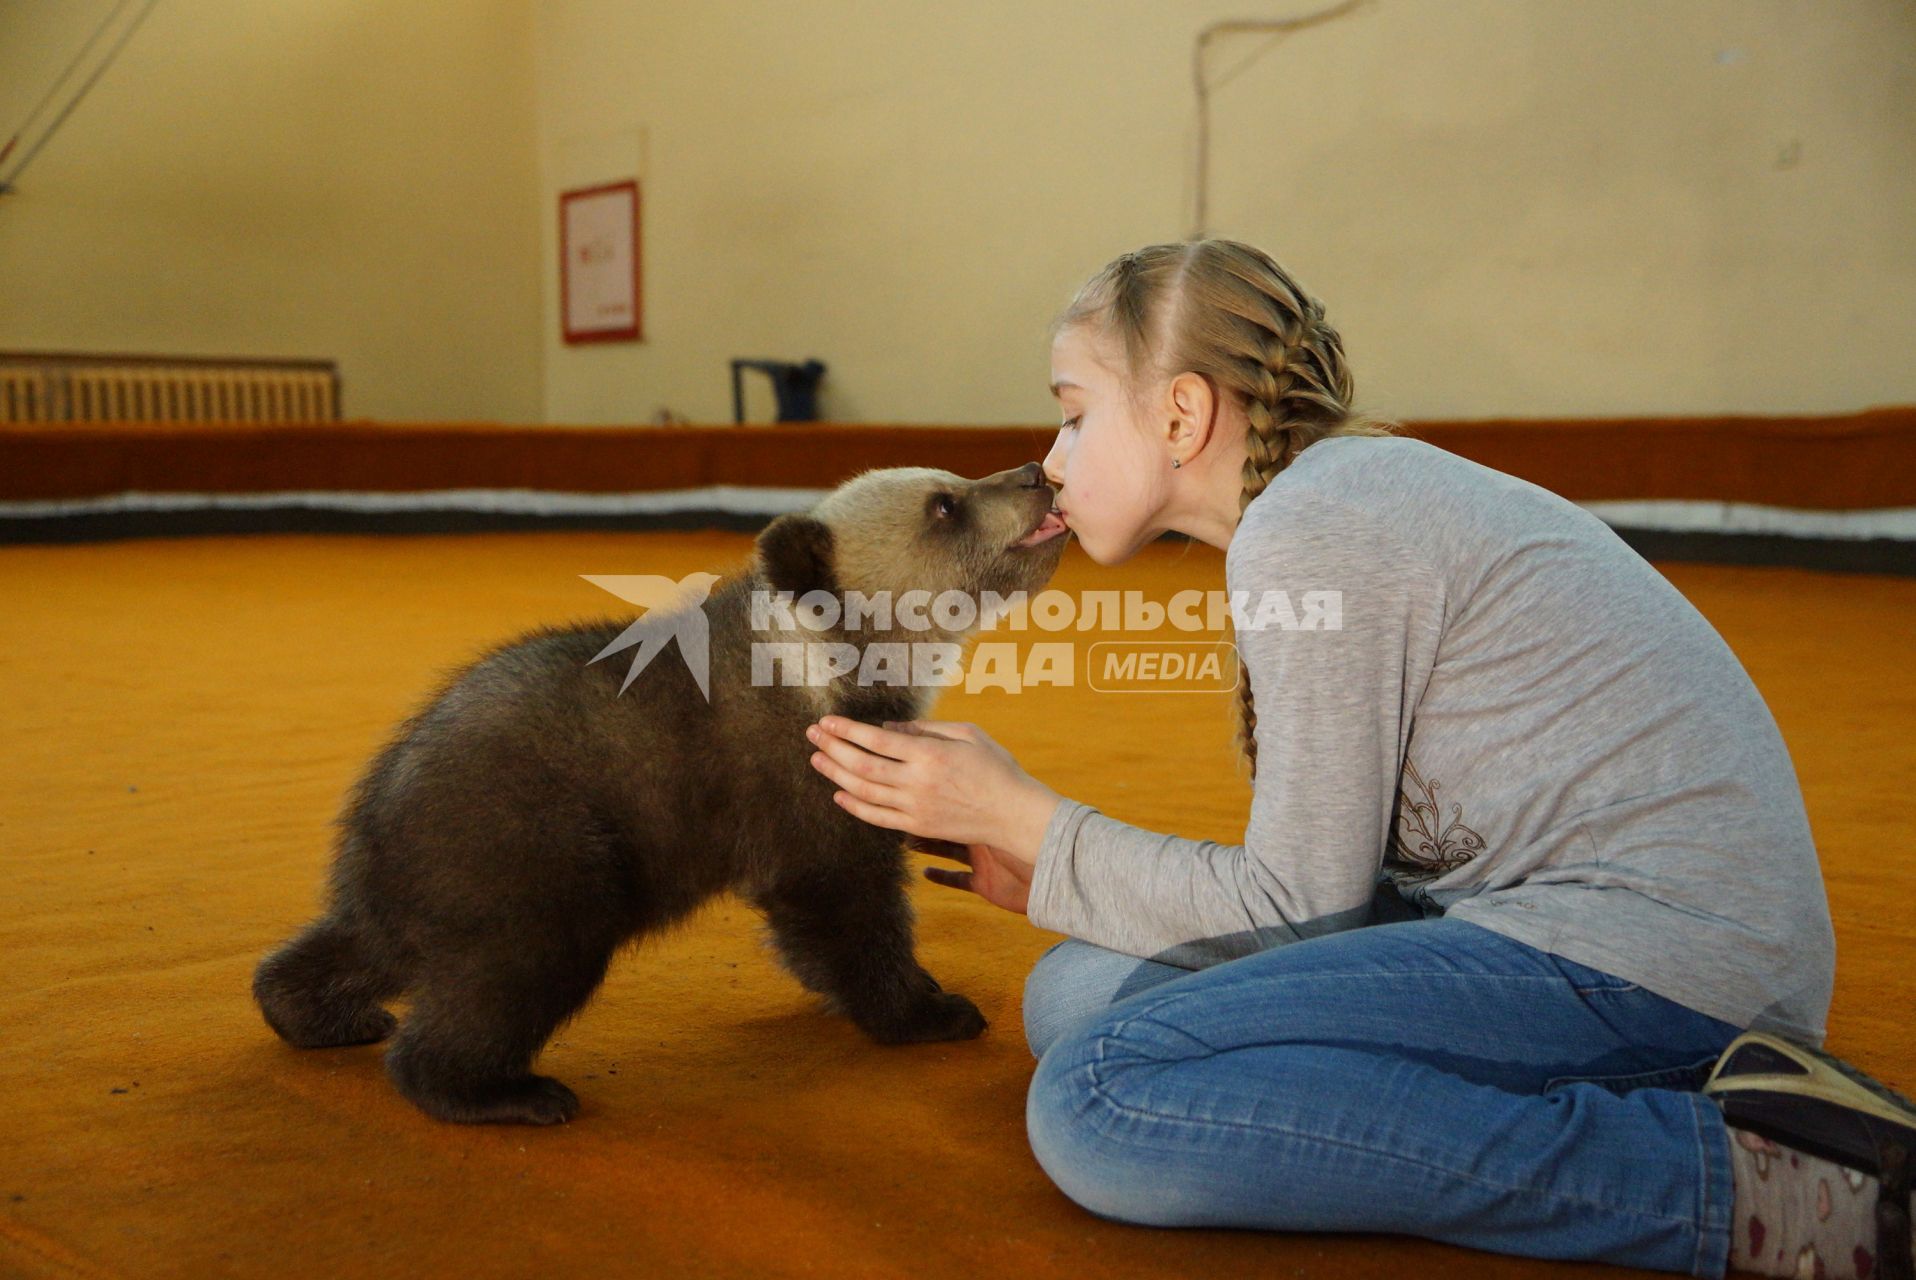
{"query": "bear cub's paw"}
{"type": "Point", "coordinates": [943, 1015]}
{"type": "Point", "coordinates": [531, 1100]}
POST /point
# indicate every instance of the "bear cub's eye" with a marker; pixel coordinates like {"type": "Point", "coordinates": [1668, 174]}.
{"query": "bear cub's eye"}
{"type": "Point", "coordinates": [945, 505]}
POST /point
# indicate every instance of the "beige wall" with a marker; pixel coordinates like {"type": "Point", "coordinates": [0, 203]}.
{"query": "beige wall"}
{"type": "Point", "coordinates": [347, 179]}
{"type": "Point", "coordinates": [1521, 207]}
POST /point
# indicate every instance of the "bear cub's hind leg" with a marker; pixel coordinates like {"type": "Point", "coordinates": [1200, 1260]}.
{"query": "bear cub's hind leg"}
{"type": "Point", "coordinates": [322, 989]}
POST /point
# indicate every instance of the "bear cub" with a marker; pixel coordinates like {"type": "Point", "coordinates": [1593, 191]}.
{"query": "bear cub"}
{"type": "Point", "coordinates": [536, 814]}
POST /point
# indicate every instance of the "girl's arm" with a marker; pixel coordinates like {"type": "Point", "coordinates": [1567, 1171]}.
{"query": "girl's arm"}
{"type": "Point", "coordinates": [1334, 700]}
{"type": "Point", "coordinates": [1335, 696]}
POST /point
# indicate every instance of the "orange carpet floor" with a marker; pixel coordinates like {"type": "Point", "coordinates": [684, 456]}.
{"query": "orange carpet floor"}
{"type": "Point", "coordinates": [183, 716]}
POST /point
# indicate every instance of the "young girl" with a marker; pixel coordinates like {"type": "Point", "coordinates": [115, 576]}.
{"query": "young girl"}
{"type": "Point", "coordinates": [1526, 851]}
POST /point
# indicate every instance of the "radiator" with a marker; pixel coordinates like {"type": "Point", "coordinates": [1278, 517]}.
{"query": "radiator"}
{"type": "Point", "coordinates": [36, 387]}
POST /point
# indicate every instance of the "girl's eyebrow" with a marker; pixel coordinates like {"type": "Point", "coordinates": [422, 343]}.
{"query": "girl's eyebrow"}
{"type": "Point", "coordinates": [1056, 385]}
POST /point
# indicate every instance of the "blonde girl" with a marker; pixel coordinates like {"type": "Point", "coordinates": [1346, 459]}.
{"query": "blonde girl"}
{"type": "Point", "coordinates": [1527, 856]}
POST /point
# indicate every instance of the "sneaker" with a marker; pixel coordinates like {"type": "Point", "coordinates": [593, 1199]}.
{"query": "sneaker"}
{"type": "Point", "coordinates": [1815, 1102]}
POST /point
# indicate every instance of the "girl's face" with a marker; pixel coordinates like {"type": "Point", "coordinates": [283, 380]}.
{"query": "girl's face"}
{"type": "Point", "coordinates": [1111, 475]}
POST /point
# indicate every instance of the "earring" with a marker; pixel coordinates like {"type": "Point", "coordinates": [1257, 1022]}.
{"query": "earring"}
{"type": "Point", "coordinates": [1175, 464]}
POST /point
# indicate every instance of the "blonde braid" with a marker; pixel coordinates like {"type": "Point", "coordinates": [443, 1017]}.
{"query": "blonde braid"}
{"type": "Point", "coordinates": [1301, 394]}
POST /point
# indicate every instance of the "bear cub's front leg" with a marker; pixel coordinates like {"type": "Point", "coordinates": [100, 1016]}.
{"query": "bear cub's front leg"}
{"type": "Point", "coordinates": [846, 933]}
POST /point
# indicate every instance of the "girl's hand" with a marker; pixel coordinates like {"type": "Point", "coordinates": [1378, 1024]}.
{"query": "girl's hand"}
{"type": "Point", "coordinates": [942, 781]}
{"type": "Point", "coordinates": [994, 875]}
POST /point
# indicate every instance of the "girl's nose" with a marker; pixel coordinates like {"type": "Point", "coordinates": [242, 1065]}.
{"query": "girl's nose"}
{"type": "Point", "coordinates": [1054, 463]}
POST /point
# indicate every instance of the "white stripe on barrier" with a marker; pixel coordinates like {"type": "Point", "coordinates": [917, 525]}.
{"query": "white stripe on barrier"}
{"type": "Point", "coordinates": [1748, 517]}
{"type": "Point", "coordinates": [1670, 515]}
{"type": "Point", "coordinates": [743, 499]}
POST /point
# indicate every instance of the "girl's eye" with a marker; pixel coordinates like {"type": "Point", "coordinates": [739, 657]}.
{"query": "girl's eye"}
{"type": "Point", "coordinates": [945, 505]}
{"type": "Point", "coordinates": [1069, 423]}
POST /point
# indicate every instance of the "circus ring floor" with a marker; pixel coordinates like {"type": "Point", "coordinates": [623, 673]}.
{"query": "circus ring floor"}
{"type": "Point", "coordinates": [183, 716]}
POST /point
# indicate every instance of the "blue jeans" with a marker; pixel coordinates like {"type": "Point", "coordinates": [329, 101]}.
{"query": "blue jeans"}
{"type": "Point", "coordinates": [1427, 1077]}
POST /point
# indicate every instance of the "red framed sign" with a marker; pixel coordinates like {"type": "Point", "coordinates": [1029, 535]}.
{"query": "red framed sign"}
{"type": "Point", "coordinates": [599, 263]}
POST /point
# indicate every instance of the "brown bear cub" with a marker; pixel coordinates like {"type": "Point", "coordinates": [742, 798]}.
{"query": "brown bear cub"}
{"type": "Point", "coordinates": [536, 814]}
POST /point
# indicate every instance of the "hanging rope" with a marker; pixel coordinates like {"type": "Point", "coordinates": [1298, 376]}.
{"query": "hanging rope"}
{"type": "Point", "coordinates": [7, 182]}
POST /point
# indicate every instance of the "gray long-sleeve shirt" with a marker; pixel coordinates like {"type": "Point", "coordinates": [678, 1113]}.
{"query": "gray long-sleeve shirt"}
{"type": "Point", "coordinates": [1516, 721]}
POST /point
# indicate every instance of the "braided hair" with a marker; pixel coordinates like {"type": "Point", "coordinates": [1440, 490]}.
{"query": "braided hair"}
{"type": "Point", "coordinates": [1226, 310]}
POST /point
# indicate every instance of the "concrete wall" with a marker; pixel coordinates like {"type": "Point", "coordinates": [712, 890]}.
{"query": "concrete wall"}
{"type": "Point", "coordinates": [341, 179]}
{"type": "Point", "coordinates": [1510, 207]}
{"type": "Point", "coordinates": [1524, 207]}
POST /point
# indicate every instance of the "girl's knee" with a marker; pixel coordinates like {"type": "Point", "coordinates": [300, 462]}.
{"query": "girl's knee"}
{"type": "Point", "coordinates": [1070, 982]}
{"type": "Point", "coordinates": [1044, 993]}
{"type": "Point", "coordinates": [1075, 981]}
{"type": "Point", "coordinates": [1076, 1130]}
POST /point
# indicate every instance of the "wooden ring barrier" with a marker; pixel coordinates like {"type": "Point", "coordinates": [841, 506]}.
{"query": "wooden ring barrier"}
{"type": "Point", "coordinates": [1853, 462]}
{"type": "Point", "coordinates": [1824, 493]}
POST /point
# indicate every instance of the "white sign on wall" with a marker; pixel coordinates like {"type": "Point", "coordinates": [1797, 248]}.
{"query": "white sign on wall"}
{"type": "Point", "coordinates": [599, 263]}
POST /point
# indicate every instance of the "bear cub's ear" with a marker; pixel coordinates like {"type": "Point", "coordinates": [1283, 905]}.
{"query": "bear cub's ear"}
{"type": "Point", "coordinates": [795, 553]}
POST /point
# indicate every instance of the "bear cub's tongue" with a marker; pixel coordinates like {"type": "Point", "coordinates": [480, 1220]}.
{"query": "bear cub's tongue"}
{"type": "Point", "coordinates": [1053, 526]}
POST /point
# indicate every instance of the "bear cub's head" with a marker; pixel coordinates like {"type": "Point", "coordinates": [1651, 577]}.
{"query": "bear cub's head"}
{"type": "Point", "coordinates": [916, 529]}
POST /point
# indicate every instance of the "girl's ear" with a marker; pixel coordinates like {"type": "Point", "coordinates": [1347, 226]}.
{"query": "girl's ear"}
{"type": "Point", "coordinates": [1195, 405]}
{"type": "Point", "coordinates": [795, 554]}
